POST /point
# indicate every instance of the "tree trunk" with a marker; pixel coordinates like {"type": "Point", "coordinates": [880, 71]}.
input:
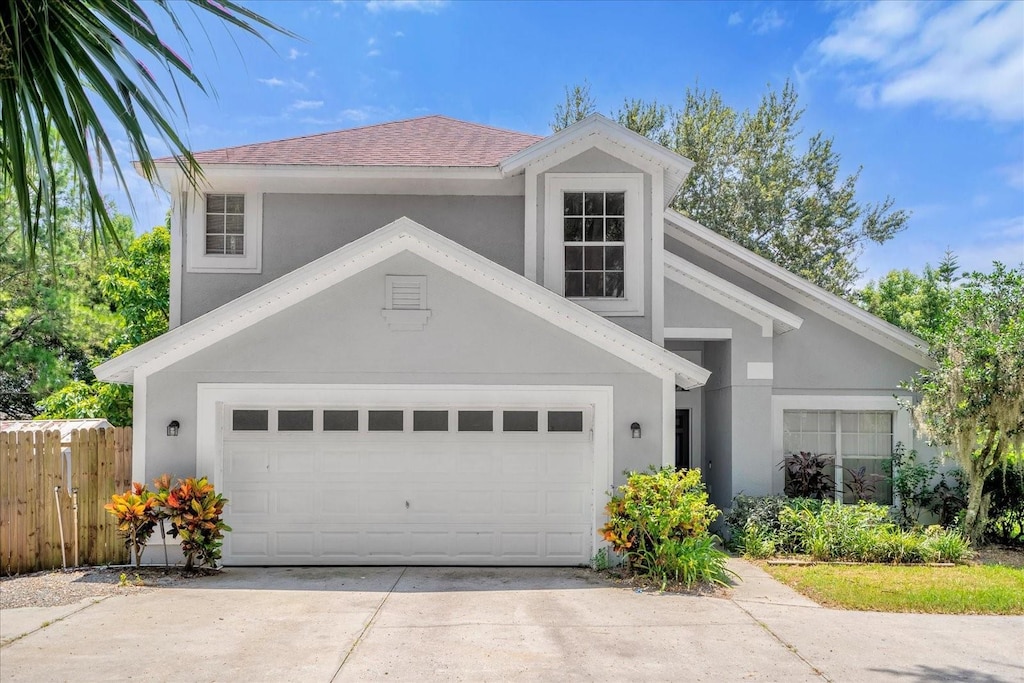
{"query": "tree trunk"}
{"type": "Point", "coordinates": [974, 519]}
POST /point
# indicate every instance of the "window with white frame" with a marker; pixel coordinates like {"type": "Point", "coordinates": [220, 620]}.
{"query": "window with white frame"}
{"type": "Point", "coordinates": [594, 240]}
{"type": "Point", "coordinates": [857, 443]}
{"type": "Point", "coordinates": [593, 227]}
{"type": "Point", "coordinates": [223, 231]}
{"type": "Point", "coordinates": [225, 225]}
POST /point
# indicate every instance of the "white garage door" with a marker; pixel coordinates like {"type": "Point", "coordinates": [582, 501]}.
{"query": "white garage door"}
{"type": "Point", "coordinates": [439, 484]}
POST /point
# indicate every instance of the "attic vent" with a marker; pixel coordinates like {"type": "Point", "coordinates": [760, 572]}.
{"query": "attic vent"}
{"type": "Point", "coordinates": [405, 299]}
{"type": "Point", "coordinates": [407, 292]}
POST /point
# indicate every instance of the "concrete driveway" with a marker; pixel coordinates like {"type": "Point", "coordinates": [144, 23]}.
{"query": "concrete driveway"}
{"type": "Point", "coordinates": [417, 624]}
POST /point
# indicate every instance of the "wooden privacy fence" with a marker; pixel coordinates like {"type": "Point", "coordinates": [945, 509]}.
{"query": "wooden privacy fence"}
{"type": "Point", "coordinates": [32, 465]}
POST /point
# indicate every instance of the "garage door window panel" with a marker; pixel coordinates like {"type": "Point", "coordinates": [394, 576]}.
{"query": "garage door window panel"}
{"type": "Point", "coordinates": [295, 420]}
{"type": "Point", "coordinates": [476, 420]}
{"type": "Point", "coordinates": [341, 420]}
{"type": "Point", "coordinates": [519, 420]}
{"type": "Point", "coordinates": [250, 420]}
{"type": "Point", "coordinates": [430, 421]}
{"type": "Point", "coordinates": [386, 420]}
{"type": "Point", "coordinates": [565, 420]}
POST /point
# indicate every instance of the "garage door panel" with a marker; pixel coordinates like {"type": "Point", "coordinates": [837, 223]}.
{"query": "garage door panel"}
{"type": "Point", "coordinates": [408, 497]}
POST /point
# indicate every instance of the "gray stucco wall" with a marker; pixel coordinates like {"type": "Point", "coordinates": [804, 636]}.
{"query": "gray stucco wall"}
{"type": "Point", "coordinates": [299, 228]}
{"type": "Point", "coordinates": [822, 356]}
{"type": "Point", "coordinates": [339, 337]}
{"type": "Point", "coordinates": [597, 161]}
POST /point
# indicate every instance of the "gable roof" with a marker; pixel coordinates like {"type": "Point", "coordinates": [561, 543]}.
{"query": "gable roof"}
{"type": "Point", "coordinates": [795, 288]}
{"type": "Point", "coordinates": [403, 235]}
{"type": "Point", "coordinates": [598, 128]}
{"type": "Point", "coordinates": [425, 141]}
{"type": "Point", "coordinates": [770, 317]}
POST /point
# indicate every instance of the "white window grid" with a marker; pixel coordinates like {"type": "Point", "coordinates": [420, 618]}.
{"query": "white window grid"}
{"type": "Point", "coordinates": [583, 277]}
{"type": "Point", "coordinates": [861, 435]}
{"type": "Point", "coordinates": [225, 225]}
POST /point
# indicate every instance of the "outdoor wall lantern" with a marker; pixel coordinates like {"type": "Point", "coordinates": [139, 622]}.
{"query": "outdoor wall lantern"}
{"type": "Point", "coordinates": [635, 428]}
{"type": "Point", "coordinates": [173, 427]}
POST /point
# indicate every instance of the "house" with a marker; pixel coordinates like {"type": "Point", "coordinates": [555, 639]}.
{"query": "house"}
{"type": "Point", "coordinates": [436, 342]}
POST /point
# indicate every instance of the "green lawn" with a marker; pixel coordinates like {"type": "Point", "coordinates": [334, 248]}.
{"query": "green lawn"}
{"type": "Point", "coordinates": [974, 589]}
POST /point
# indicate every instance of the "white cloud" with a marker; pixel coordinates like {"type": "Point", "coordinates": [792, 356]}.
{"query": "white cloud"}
{"type": "Point", "coordinates": [272, 82]}
{"type": "Point", "coordinates": [1014, 175]}
{"type": "Point", "coordinates": [966, 58]}
{"type": "Point", "coordinates": [372, 41]}
{"type": "Point", "coordinates": [294, 54]}
{"type": "Point", "coordinates": [422, 6]}
{"type": "Point", "coordinates": [735, 19]}
{"type": "Point", "coordinates": [300, 105]}
{"type": "Point", "coordinates": [373, 53]}
{"type": "Point", "coordinates": [766, 22]}
{"type": "Point", "coordinates": [398, 34]}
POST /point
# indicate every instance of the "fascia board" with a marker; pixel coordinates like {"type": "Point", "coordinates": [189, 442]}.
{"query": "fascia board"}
{"type": "Point", "coordinates": [795, 288]}
{"type": "Point", "coordinates": [595, 123]}
{"type": "Point", "coordinates": [749, 305]}
{"type": "Point", "coordinates": [401, 235]}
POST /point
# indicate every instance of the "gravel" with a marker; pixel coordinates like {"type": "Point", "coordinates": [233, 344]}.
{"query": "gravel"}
{"type": "Point", "coordinates": [56, 588]}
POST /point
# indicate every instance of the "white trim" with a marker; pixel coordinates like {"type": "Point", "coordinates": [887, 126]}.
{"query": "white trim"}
{"type": "Point", "coordinates": [668, 423]}
{"type": "Point", "coordinates": [657, 262]}
{"type": "Point", "coordinates": [698, 333]}
{"type": "Point", "coordinates": [403, 235]}
{"type": "Point", "coordinates": [531, 234]}
{"type": "Point", "coordinates": [212, 398]}
{"type": "Point", "coordinates": [383, 180]}
{"type": "Point", "coordinates": [795, 288]}
{"type": "Point", "coordinates": [554, 253]}
{"type": "Point", "coordinates": [177, 249]}
{"type": "Point", "coordinates": [598, 131]}
{"type": "Point", "coordinates": [198, 261]}
{"type": "Point", "coordinates": [770, 317]}
{"type": "Point", "coordinates": [760, 370]}
{"type": "Point", "coordinates": [902, 430]}
{"type": "Point", "coordinates": [139, 428]}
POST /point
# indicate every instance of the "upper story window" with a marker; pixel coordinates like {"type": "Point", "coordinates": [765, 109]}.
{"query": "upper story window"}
{"type": "Point", "coordinates": [595, 239]}
{"type": "Point", "coordinates": [224, 231]}
{"type": "Point", "coordinates": [225, 224]}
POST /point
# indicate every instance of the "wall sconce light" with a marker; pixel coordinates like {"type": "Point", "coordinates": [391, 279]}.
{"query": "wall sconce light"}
{"type": "Point", "coordinates": [635, 428]}
{"type": "Point", "coordinates": [173, 427]}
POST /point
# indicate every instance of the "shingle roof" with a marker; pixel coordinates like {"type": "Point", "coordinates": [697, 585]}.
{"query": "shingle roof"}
{"type": "Point", "coordinates": [424, 141]}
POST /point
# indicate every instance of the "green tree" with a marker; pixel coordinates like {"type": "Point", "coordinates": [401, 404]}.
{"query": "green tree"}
{"type": "Point", "coordinates": [136, 285]}
{"type": "Point", "coordinates": [916, 303]}
{"type": "Point", "coordinates": [973, 400]}
{"type": "Point", "coordinates": [757, 181]}
{"type": "Point", "coordinates": [53, 319]}
{"type": "Point", "coordinates": [75, 65]}
{"type": "Point", "coordinates": [578, 105]}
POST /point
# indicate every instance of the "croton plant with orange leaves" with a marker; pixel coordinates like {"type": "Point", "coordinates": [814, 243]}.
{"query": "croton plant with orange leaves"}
{"type": "Point", "coordinates": [193, 508]}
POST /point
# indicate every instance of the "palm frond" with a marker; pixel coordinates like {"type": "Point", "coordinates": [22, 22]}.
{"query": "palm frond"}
{"type": "Point", "coordinates": [64, 66]}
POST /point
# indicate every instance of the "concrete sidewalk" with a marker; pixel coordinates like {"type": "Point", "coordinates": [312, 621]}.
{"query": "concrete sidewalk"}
{"type": "Point", "coordinates": [416, 624]}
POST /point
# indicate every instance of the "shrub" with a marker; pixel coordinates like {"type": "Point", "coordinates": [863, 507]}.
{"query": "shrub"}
{"type": "Point", "coordinates": [807, 476]}
{"type": "Point", "coordinates": [1006, 510]}
{"type": "Point", "coordinates": [137, 515]}
{"type": "Point", "coordinates": [755, 526]}
{"type": "Point", "coordinates": [659, 523]}
{"type": "Point", "coordinates": [688, 561]}
{"type": "Point", "coordinates": [830, 531]}
{"type": "Point", "coordinates": [195, 510]}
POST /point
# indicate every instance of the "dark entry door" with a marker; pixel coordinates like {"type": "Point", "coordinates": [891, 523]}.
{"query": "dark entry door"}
{"type": "Point", "coordinates": [683, 438]}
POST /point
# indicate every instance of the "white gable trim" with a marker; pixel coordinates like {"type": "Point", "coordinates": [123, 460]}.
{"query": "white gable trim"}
{"type": "Point", "coordinates": [795, 288]}
{"type": "Point", "coordinates": [770, 317]}
{"type": "Point", "coordinates": [596, 131]}
{"type": "Point", "coordinates": [400, 236]}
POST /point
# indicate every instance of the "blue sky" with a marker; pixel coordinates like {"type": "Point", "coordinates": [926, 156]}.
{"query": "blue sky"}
{"type": "Point", "coordinates": [927, 97]}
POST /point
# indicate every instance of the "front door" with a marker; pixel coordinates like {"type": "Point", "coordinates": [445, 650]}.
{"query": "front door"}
{"type": "Point", "coordinates": [682, 438]}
